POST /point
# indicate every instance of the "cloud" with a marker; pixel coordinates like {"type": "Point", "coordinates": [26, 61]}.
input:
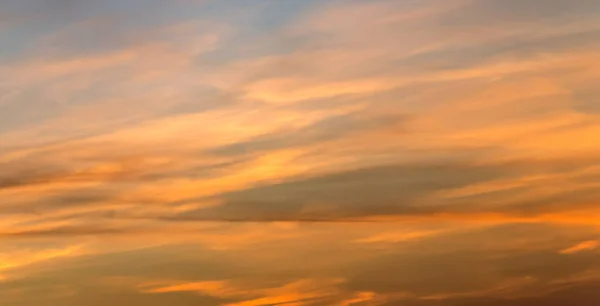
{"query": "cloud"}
{"type": "Point", "coordinates": [383, 189]}
{"type": "Point", "coordinates": [401, 190]}
{"type": "Point", "coordinates": [382, 152]}
{"type": "Point", "coordinates": [471, 263]}
{"type": "Point", "coordinates": [286, 91]}
{"type": "Point", "coordinates": [69, 231]}
{"type": "Point", "coordinates": [329, 129]}
{"type": "Point", "coordinates": [578, 293]}
{"type": "Point", "coordinates": [27, 258]}
{"type": "Point", "coordinates": [396, 237]}
{"type": "Point", "coordinates": [214, 288]}
{"type": "Point", "coordinates": [301, 292]}
{"type": "Point", "coordinates": [581, 247]}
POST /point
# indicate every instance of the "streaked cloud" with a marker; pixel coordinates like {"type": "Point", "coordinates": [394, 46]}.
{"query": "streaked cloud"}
{"type": "Point", "coordinates": [343, 152]}
{"type": "Point", "coordinates": [581, 247]}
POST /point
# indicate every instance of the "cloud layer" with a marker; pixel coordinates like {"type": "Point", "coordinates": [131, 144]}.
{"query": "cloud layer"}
{"type": "Point", "coordinates": [343, 152]}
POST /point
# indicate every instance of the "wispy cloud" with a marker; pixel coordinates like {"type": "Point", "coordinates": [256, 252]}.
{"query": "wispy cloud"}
{"type": "Point", "coordinates": [581, 247]}
{"type": "Point", "coordinates": [291, 152]}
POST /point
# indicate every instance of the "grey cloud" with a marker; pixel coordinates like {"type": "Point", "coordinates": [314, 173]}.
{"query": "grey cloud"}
{"type": "Point", "coordinates": [463, 261]}
{"type": "Point", "coordinates": [579, 294]}
{"type": "Point", "coordinates": [522, 201]}
{"type": "Point", "coordinates": [510, 48]}
{"type": "Point", "coordinates": [83, 276]}
{"type": "Point", "coordinates": [397, 190]}
{"type": "Point", "coordinates": [423, 275]}
{"type": "Point", "coordinates": [390, 189]}
{"type": "Point", "coordinates": [204, 99]}
{"type": "Point", "coordinates": [530, 199]}
{"type": "Point", "coordinates": [47, 166]}
{"type": "Point", "coordinates": [574, 200]}
{"type": "Point", "coordinates": [63, 28]}
{"type": "Point", "coordinates": [506, 238]}
{"type": "Point", "coordinates": [32, 172]}
{"type": "Point", "coordinates": [394, 190]}
{"type": "Point", "coordinates": [185, 262]}
{"type": "Point", "coordinates": [96, 297]}
{"type": "Point", "coordinates": [31, 106]}
{"type": "Point", "coordinates": [25, 176]}
{"type": "Point", "coordinates": [587, 100]}
{"type": "Point", "coordinates": [66, 231]}
{"type": "Point", "coordinates": [491, 12]}
{"type": "Point", "coordinates": [59, 200]}
{"type": "Point", "coordinates": [35, 170]}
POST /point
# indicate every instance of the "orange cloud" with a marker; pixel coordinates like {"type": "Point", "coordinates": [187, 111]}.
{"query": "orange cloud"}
{"type": "Point", "coordinates": [209, 133]}
{"type": "Point", "coordinates": [397, 237]}
{"type": "Point", "coordinates": [214, 288]}
{"type": "Point", "coordinates": [10, 261]}
{"type": "Point", "coordinates": [301, 292]}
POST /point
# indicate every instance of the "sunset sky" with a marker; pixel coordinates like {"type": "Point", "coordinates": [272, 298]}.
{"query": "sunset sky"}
{"type": "Point", "coordinates": [299, 152]}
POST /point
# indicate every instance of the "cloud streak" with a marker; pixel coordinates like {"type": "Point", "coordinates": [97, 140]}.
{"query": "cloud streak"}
{"type": "Point", "coordinates": [226, 153]}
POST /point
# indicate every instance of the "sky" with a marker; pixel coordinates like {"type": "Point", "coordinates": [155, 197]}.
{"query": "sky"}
{"type": "Point", "coordinates": [299, 152]}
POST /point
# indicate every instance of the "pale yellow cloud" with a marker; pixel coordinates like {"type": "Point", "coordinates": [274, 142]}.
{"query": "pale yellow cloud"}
{"type": "Point", "coordinates": [21, 258]}
{"type": "Point", "coordinates": [287, 90]}
{"type": "Point", "coordinates": [394, 237]}
{"type": "Point", "coordinates": [505, 289]}
{"type": "Point", "coordinates": [296, 293]}
{"type": "Point", "coordinates": [371, 298]}
{"type": "Point", "coordinates": [301, 292]}
{"type": "Point", "coordinates": [581, 247]}
{"type": "Point", "coordinates": [214, 288]}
